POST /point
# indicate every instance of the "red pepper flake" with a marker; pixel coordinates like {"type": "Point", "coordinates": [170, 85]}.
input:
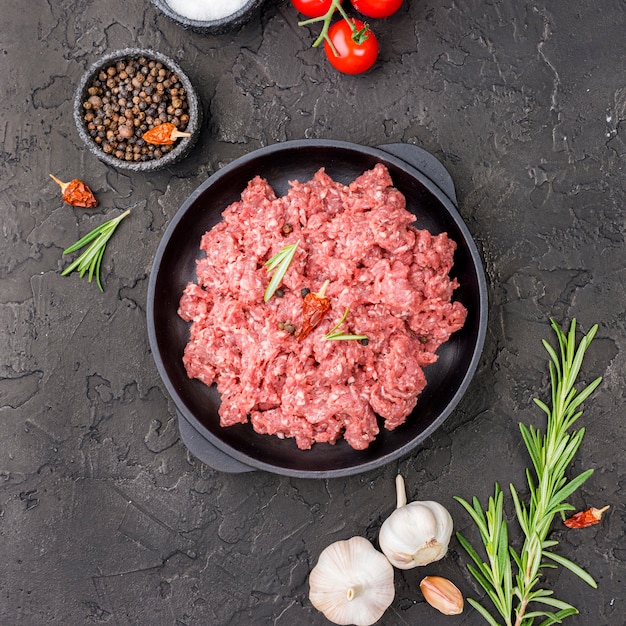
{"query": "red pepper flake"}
{"type": "Point", "coordinates": [76, 193]}
{"type": "Point", "coordinates": [585, 518]}
{"type": "Point", "coordinates": [163, 134]}
{"type": "Point", "coordinates": [314, 308]}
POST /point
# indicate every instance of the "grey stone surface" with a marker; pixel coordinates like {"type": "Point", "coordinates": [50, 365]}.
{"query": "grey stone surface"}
{"type": "Point", "coordinates": [104, 516]}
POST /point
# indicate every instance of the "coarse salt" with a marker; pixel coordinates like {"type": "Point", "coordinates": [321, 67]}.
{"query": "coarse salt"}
{"type": "Point", "coordinates": [206, 10]}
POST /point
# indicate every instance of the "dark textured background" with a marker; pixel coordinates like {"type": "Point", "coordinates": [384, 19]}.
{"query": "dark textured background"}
{"type": "Point", "coordinates": [104, 516]}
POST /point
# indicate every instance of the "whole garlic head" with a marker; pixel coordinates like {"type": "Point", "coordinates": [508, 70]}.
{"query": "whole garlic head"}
{"type": "Point", "coordinates": [352, 583]}
{"type": "Point", "coordinates": [415, 534]}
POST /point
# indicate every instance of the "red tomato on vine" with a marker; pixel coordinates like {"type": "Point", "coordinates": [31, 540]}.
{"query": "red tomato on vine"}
{"type": "Point", "coordinates": [355, 45]}
{"type": "Point", "coordinates": [377, 8]}
{"type": "Point", "coordinates": [312, 8]}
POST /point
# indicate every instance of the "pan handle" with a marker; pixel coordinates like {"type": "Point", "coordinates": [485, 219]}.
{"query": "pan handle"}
{"type": "Point", "coordinates": [426, 163]}
{"type": "Point", "coordinates": [206, 452]}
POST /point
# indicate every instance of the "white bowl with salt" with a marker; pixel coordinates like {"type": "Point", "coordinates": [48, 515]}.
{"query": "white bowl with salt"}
{"type": "Point", "coordinates": [209, 16]}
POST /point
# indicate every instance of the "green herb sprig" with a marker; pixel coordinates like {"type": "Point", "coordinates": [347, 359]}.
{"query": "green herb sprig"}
{"type": "Point", "coordinates": [334, 334]}
{"type": "Point", "coordinates": [279, 262]}
{"type": "Point", "coordinates": [91, 259]}
{"type": "Point", "coordinates": [551, 454]}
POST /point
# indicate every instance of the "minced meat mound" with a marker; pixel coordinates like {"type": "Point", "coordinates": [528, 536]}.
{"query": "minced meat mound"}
{"type": "Point", "coordinates": [393, 278]}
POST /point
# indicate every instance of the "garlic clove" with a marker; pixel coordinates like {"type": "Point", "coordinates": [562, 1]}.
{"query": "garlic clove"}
{"type": "Point", "coordinates": [442, 594]}
{"type": "Point", "coordinates": [415, 534]}
{"type": "Point", "coordinates": [352, 583]}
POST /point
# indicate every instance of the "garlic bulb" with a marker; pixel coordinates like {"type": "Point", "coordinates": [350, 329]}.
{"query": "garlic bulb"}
{"type": "Point", "coordinates": [352, 583]}
{"type": "Point", "coordinates": [415, 534]}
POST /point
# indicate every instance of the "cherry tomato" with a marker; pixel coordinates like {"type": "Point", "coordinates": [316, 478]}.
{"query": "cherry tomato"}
{"type": "Point", "coordinates": [312, 8]}
{"type": "Point", "coordinates": [357, 49]}
{"type": "Point", "coordinates": [377, 8]}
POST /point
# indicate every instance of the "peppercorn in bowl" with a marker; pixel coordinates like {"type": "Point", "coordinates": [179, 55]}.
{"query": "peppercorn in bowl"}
{"type": "Point", "coordinates": [137, 110]}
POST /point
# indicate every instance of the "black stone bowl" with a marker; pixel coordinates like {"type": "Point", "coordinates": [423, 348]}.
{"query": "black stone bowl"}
{"type": "Point", "coordinates": [212, 27]}
{"type": "Point", "coordinates": [182, 146]}
{"type": "Point", "coordinates": [430, 195]}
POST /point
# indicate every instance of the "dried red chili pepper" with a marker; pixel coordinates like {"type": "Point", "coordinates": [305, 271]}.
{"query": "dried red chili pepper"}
{"type": "Point", "coordinates": [585, 518]}
{"type": "Point", "coordinates": [76, 193]}
{"type": "Point", "coordinates": [163, 134]}
{"type": "Point", "coordinates": [314, 307]}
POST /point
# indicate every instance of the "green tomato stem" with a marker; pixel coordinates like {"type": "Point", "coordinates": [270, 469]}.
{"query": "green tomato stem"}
{"type": "Point", "coordinates": [327, 19]}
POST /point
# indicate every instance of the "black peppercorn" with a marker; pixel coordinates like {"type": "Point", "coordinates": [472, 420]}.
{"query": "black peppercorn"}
{"type": "Point", "coordinates": [129, 98]}
{"type": "Point", "coordinates": [287, 327]}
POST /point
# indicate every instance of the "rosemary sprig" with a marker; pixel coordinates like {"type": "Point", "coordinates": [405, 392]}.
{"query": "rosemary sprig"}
{"type": "Point", "coordinates": [279, 262]}
{"type": "Point", "coordinates": [334, 334]}
{"type": "Point", "coordinates": [551, 454]}
{"type": "Point", "coordinates": [91, 259]}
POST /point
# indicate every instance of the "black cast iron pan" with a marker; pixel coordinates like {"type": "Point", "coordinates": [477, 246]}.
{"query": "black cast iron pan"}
{"type": "Point", "coordinates": [430, 194]}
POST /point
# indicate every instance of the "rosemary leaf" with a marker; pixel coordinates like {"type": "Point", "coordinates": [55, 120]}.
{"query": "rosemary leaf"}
{"type": "Point", "coordinates": [90, 236]}
{"type": "Point", "coordinates": [276, 260]}
{"type": "Point", "coordinates": [87, 257]}
{"type": "Point", "coordinates": [336, 335]}
{"type": "Point", "coordinates": [572, 567]}
{"type": "Point", "coordinates": [97, 270]}
{"type": "Point", "coordinates": [557, 604]}
{"type": "Point", "coordinates": [340, 322]}
{"type": "Point", "coordinates": [279, 262]}
{"type": "Point", "coordinates": [490, 620]}
{"type": "Point", "coordinates": [520, 510]}
{"type": "Point", "coordinates": [558, 617]}
{"type": "Point", "coordinates": [344, 337]}
{"type": "Point", "coordinates": [90, 260]}
{"type": "Point", "coordinates": [565, 492]}
{"type": "Point", "coordinates": [476, 514]}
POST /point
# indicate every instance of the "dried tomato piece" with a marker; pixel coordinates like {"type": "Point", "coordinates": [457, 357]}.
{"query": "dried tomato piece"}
{"type": "Point", "coordinates": [314, 308]}
{"type": "Point", "coordinates": [585, 518]}
{"type": "Point", "coordinates": [163, 134]}
{"type": "Point", "coordinates": [76, 193]}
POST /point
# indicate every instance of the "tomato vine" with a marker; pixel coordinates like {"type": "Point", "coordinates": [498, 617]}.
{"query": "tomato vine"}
{"type": "Point", "coordinates": [350, 44]}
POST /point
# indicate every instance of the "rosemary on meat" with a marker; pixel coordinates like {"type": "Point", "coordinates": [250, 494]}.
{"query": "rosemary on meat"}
{"type": "Point", "coordinates": [334, 334]}
{"type": "Point", "coordinates": [279, 264]}
{"type": "Point", "coordinates": [518, 598]}
{"type": "Point", "coordinates": [91, 259]}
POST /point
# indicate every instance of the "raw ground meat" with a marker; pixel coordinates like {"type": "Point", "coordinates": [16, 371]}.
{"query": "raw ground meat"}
{"type": "Point", "coordinates": [393, 277]}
